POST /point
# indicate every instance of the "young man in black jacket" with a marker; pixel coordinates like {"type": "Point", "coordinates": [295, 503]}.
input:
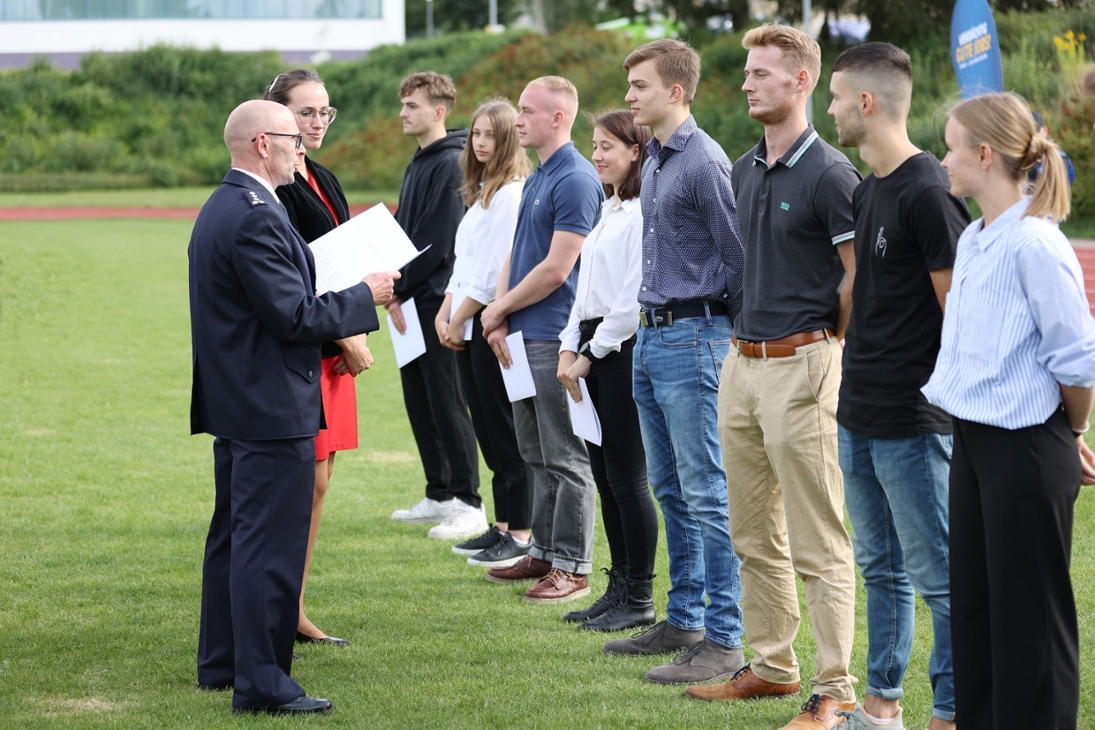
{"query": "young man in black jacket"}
{"type": "Point", "coordinates": [430, 210]}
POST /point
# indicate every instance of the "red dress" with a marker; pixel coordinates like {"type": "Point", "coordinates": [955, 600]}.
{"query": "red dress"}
{"type": "Point", "coordinates": [339, 394]}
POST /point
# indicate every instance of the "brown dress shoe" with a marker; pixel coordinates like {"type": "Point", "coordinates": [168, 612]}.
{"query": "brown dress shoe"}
{"type": "Point", "coordinates": [819, 713]}
{"type": "Point", "coordinates": [528, 569]}
{"type": "Point", "coordinates": [742, 686]}
{"type": "Point", "coordinates": [558, 586]}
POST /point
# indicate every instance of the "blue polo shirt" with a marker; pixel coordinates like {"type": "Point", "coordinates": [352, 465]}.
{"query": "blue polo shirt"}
{"type": "Point", "coordinates": [562, 194]}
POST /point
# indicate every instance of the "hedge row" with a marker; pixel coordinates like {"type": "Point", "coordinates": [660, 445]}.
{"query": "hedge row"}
{"type": "Point", "coordinates": [157, 115]}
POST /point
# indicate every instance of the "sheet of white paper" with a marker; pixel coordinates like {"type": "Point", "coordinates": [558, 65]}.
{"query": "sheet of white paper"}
{"type": "Point", "coordinates": [583, 416]}
{"type": "Point", "coordinates": [518, 376]}
{"type": "Point", "coordinates": [369, 242]}
{"type": "Point", "coordinates": [410, 344]}
{"type": "Point", "coordinates": [467, 330]}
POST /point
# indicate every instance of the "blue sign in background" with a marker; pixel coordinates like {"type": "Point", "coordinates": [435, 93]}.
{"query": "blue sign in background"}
{"type": "Point", "coordinates": [975, 49]}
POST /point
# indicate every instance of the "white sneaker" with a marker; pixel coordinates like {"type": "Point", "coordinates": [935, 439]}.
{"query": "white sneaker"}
{"type": "Point", "coordinates": [427, 512]}
{"type": "Point", "coordinates": [464, 521]}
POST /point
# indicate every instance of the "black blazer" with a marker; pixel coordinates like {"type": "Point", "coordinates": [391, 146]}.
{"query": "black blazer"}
{"type": "Point", "coordinates": [255, 321]}
{"type": "Point", "coordinates": [310, 216]}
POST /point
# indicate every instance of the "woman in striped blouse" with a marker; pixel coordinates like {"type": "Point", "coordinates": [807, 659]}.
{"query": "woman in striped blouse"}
{"type": "Point", "coordinates": [1015, 369]}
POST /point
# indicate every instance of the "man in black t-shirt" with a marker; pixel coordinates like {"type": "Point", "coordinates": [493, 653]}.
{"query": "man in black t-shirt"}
{"type": "Point", "coordinates": [894, 446]}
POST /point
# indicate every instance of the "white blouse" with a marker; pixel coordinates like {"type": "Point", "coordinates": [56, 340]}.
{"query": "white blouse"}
{"type": "Point", "coordinates": [609, 277]}
{"type": "Point", "coordinates": [483, 240]}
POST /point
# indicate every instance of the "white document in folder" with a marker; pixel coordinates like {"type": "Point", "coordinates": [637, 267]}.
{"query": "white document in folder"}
{"type": "Point", "coordinates": [583, 416]}
{"type": "Point", "coordinates": [367, 243]}
{"type": "Point", "coordinates": [411, 344]}
{"type": "Point", "coordinates": [518, 376]}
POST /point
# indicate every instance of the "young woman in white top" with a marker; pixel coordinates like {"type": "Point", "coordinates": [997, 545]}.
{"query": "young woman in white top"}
{"type": "Point", "coordinates": [597, 346]}
{"type": "Point", "coordinates": [1016, 367]}
{"type": "Point", "coordinates": [495, 168]}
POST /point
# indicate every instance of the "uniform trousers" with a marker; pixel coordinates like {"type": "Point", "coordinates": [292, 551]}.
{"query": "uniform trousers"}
{"type": "Point", "coordinates": [254, 567]}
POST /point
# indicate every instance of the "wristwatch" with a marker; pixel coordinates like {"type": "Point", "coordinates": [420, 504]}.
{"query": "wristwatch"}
{"type": "Point", "coordinates": [588, 352]}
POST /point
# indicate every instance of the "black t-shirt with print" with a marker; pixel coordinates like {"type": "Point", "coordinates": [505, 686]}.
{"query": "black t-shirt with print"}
{"type": "Point", "coordinates": [906, 226]}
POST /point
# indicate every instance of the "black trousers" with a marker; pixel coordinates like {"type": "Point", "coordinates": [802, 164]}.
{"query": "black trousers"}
{"type": "Point", "coordinates": [492, 417]}
{"type": "Point", "coordinates": [619, 466]}
{"type": "Point", "coordinates": [1013, 617]}
{"type": "Point", "coordinates": [254, 566]}
{"type": "Point", "coordinates": [439, 419]}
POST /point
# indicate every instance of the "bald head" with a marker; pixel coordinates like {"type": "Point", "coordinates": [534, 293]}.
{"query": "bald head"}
{"type": "Point", "coordinates": [252, 117]}
{"type": "Point", "coordinates": [272, 156]}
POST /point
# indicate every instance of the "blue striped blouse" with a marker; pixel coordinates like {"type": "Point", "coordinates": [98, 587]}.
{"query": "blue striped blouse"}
{"type": "Point", "coordinates": [1017, 324]}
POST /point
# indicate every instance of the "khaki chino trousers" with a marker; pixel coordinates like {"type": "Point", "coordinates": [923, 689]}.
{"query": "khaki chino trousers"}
{"type": "Point", "coordinates": [777, 424]}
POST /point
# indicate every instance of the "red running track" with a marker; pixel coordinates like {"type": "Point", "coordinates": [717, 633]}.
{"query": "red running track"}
{"type": "Point", "coordinates": [1085, 250]}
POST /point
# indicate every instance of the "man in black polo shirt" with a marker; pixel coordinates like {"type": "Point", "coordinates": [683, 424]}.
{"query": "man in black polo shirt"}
{"type": "Point", "coordinates": [777, 395]}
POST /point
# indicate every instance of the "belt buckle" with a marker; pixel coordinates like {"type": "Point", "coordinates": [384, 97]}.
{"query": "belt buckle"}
{"type": "Point", "coordinates": [643, 319]}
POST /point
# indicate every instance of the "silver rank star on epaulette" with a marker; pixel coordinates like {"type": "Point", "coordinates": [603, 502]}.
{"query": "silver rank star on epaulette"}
{"type": "Point", "coordinates": [256, 199]}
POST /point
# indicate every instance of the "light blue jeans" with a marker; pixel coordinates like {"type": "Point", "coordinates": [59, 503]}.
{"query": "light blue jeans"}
{"type": "Point", "coordinates": [676, 389]}
{"type": "Point", "coordinates": [897, 495]}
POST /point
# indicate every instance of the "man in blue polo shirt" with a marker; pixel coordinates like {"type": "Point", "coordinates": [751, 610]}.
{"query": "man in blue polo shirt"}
{"type": "Point", "coordinates": [560, 205]}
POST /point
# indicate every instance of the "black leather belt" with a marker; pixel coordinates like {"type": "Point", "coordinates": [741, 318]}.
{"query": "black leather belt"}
{"type": "Point", "coordinates": [668, 314]}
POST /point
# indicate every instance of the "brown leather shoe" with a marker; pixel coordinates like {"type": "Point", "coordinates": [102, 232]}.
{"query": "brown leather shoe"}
{"type": "Point", "coordinates": [558, 586]}
{"type": "Point", "coordinates": [743, 685]}
{"type": "Point", "coordinates": [819, 713]}
{"type": "Point", "coordinates": [527, 569]}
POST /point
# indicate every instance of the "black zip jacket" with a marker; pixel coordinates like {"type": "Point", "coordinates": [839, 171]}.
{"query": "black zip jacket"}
{"type": "Point", "coordinates": [430, 210]}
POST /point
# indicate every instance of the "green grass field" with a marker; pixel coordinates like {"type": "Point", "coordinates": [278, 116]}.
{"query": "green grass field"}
{"type": "Point", "coordinates": [105, 501]}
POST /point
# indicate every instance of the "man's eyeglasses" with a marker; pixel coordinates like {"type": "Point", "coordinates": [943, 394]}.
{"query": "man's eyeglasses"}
{"type": "Point", "coordinates": [298, 139]}
{"type": "Point", "coordinates": [326, 115]}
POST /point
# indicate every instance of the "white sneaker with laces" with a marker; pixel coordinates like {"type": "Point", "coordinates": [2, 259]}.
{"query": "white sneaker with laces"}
{"type": "Point", "coordinates": [427, 512]}
{"type": "Point", "coordinates": [463, 521]}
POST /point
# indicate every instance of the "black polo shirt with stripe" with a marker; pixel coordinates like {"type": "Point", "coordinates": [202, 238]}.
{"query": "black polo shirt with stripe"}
{"type": "Point", "coordinates": [792, 216]}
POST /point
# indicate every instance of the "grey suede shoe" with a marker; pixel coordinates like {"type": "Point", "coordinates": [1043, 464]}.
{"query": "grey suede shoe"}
{"type": "Point", "coordinates": [662, 638]}
{"type": "Point", "coordinates": [704, 662]}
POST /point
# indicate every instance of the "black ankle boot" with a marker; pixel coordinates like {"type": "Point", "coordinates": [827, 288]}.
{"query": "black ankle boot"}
{"type": "Point", "coordinates": [614, 594]}
{"type": "Point", "coordinates": [636, 610]}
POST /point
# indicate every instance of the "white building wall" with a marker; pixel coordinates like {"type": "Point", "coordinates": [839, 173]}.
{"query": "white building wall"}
{"type": "Point", "coordinates": [320, 38]}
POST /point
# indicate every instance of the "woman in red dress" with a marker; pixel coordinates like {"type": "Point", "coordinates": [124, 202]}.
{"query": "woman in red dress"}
{"type": "Point", "coordinates": [316, 204]}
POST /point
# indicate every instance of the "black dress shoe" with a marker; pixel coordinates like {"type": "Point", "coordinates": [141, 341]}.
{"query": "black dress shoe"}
{"type": "Point", "coordinates": [302, 705]}
{"type": "Point", "coordinates": [305, 639]}
{"type": "Point", "coordinates": [214, 687]}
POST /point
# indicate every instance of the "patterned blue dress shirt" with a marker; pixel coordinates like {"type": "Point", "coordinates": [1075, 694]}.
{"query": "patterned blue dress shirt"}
{"type": "Point", "coordinates": [692, 246]}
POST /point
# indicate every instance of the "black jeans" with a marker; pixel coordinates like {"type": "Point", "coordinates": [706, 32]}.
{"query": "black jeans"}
{"type": "Point", "coordinates": [1013, 616]}
{"type": "Point", "coordinates": [492, 416]}
{"type": "Point", "coordinates": [619, 465]}
{"type": "Point", "coordinates": [439, 419]}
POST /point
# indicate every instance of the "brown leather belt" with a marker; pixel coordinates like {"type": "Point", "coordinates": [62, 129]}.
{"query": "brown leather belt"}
{"type": "Point", "coordinates": [781, 348]}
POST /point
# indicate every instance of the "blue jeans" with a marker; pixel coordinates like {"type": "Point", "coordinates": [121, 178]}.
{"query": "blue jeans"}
{"type": "Point", "coordinates": [897, 495]}
{"type": "Point", "coordinates": [676, 390]}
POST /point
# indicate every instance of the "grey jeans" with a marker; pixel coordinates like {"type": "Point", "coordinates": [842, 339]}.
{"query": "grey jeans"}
{"type": "Point", "coordinates": [564, 498]}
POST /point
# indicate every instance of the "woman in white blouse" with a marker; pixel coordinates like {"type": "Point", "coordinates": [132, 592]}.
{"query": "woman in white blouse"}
{"type": "Point", "coordinates": [495, 168]}
{"type": "Point", "coordinates": [1016, 367]}
{"type": "Point", "coordinates": [596, 352]}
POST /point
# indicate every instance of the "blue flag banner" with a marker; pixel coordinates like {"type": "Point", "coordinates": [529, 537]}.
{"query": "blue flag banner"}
{"type": "Point", "coordinates": [975, 49]}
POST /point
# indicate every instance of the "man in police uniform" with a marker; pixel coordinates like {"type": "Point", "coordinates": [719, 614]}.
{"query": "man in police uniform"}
{"type": "Point", "coordinates": [257, 326]}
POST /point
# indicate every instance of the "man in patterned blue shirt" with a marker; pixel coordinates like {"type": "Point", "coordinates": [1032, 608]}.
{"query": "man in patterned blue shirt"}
{"type": "Point", "coordinates": [691, 290]}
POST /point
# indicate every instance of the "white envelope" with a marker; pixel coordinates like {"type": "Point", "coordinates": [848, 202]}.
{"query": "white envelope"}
{"type": "Point", "coordinates": [411, 344]}
{"type": "Point", "coordinates": [518, 376]}
{"type": "Point", "coordinates": [583, 416]}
